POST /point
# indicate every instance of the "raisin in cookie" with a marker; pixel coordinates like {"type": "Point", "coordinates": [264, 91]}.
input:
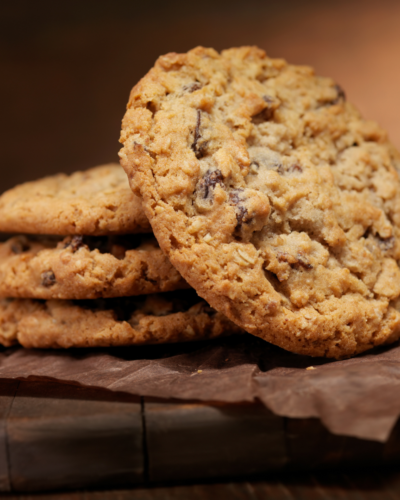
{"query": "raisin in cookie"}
{"type": "Point", "coordinates": [154, 319]}
{"type": "Point", "coordinates": [85, 267]}
{"type": "Point", "coordinates": [272, 197]}
{"type": "Point", "coordinates": [95, 202]}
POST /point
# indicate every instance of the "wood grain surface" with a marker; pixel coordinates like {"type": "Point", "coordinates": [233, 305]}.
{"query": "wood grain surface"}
{"type": "Point", "coordinates": [58, 437]}
{"type": "Point", "coordinates": [8, 389]}
{"type": "Point", "coordinates": [192, 441]}
{"type": "Point", "coordinates": [64, 436]}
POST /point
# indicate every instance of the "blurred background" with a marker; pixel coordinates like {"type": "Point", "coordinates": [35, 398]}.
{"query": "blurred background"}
{"type": "Point", "coordinates": [66, 67]}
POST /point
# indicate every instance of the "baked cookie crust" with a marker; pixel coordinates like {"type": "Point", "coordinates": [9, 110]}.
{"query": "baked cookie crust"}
{"type": "Point", "coordinates": [271, 195]}
{"type": "Point", "coordinates": [154, 319]}
{"type": "Point", "coordinates": [95, 202]}
{"type": "Point", "coordinates": [84, 267]}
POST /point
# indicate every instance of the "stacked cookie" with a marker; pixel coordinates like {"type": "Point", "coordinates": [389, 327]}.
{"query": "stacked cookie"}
{"type": "Point", "coordinates": [88, 272]}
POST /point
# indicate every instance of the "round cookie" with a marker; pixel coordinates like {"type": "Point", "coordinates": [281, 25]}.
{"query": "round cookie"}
{"type": "Point", "coordinates": [85, 267]}
{"type": "Point", "coordinates": [154, 319]}
{"type": "Point", "coordinates": [95, 202]}
{"type": "Point", "coordinates": [271, 195]}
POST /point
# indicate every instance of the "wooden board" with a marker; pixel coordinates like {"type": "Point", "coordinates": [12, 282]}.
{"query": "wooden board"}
{"type": "Point", "coordinates": [63, 436]}
{"type": "Point", "coordinates": [192, 441]}
{"type": "Point", "coordinates": [312, 447]}
{"type": "Point", "coordinates": [8, 389]}
{"type": "Point", "coordinates": [55, 436]}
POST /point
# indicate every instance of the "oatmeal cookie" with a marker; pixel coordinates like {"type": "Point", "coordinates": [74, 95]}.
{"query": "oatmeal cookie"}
{"type": "Point", "coordinates": [85, 267]}
{"type": "Point", "coordinates": [95, 202]}
{"type": "Point", "coordinates": [153, 319]}
{"type": "Point", "coordinates": [271, 195]}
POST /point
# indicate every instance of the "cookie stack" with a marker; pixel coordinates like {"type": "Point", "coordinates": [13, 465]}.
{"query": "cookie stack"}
{"type": "Point", "coordinates": [88, 272]}
{"type": "Point", "coordinates": [266, 191]}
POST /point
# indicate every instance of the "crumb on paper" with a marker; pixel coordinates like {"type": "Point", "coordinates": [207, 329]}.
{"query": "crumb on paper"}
{"type": "Point", "coordinates": [199, 371]}
{"type": "Point", "coordinates": [310, 368]}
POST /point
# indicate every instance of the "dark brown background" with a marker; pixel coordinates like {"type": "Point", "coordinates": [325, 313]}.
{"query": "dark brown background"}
{"type": "Point", "coordinates": [66, 68]}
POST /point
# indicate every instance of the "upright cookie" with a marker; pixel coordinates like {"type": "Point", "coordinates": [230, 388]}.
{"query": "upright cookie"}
{"type": "Point", "coordinates": [95, 202]}
{"type": "Point", "coordinates": [154, 319]}
{"type": "Point", "coordinates": [271, 195]}
{"type": "Point", "coordinates": [85, 267]}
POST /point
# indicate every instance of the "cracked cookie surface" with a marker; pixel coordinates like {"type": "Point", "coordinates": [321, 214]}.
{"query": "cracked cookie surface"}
{"type": "Point", "coordinates": [153, 319]}
{"type": "Point", "coordinates": [271, 195]}
{"type": "Point", "coordinates": [97, 201]}
{"type": "Point", "coordinates": [85, 267]}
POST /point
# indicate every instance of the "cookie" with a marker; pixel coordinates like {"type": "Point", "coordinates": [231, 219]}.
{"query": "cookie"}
{"type": "Point", "coordinates": [85, 267]}
{"type": "Point", "coordinates": [271, 195]}
{"type": "Point", "coordinates": [95, 202]}
{"type": "Point", "coordinates": [154, 319]}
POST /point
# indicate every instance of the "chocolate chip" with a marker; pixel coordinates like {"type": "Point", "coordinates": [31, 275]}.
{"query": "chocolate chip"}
{"type": "Point", "coordinates": [48, 278]}
{"type": "Point", "coordinates": [284, 257]}
{"type": "Point", "coordinates": [280, 169]}
{"type": "Point", "coordinates": [295, 168]}
{"type": "Point", "coordinates": [255, 163]}
{"type": "Point", "coordinates": [234, 196]}
{"type": "Point", "coordinates": [192, 87]}
{"type": "Point", "coordinates": [241, 211]}
{"type": "Point", "coordinates": [341, 96]}
{"type": "Point", "coordinates": [149, 152]}
{"type": "Point", "coordinates": [303, 262]}
{"type": "Point", "coordinates": [199, 149]}
{"type": "Point", "coordinates": [268, 99]}
{"type": "Point", "coordinates": [208, 182]}
{"type": "Point", "coordinates": [267, 113]}
{"type": "Point", "coordinates": [267, 163]}
{"type": "Point", "coordinates": [75, 243]}
{"type": "Point", "coordinates": [241, 216]}
{"type": "Point", "coordinates": [386, 243]}
{"type": "Point", "coordinates": [19, 247]}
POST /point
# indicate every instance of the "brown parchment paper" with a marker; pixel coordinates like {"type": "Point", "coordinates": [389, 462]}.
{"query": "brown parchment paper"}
{"type": "Point", "coordinates": [356, 397]}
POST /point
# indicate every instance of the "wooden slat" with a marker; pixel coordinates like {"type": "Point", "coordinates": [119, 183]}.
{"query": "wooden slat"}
{"type": "Point", "coordinates": [70, 437]}
{"type": "Point", "coordinates": [391, 452]}
{"type": "Point", "coordinates": [8, 389]}
{"type": "Point", "coordinates": [63, 437]}
{"type": "Point", "coordinates": [189, 441]}
{"type": "Point", "coordinates": [361, 453]}
{"type": "Point", "coordinates": [311, 446]}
